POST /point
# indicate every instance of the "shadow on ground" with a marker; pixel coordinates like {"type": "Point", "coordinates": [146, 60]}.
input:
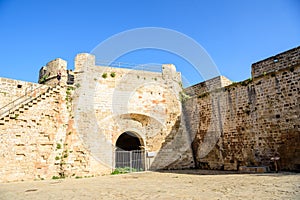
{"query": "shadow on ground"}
{"type": "Point", "coordinates": [220, 172]}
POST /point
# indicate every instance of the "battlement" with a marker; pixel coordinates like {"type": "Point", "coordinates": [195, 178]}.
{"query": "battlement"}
{"type": "Point", "coordinates": [85, 62]}
{"type": "Point", "coordinates": [283, 60]}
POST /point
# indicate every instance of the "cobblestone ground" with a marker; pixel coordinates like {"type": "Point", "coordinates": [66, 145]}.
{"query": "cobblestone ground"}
{"type": "Point", "coordinates": [192, 184]}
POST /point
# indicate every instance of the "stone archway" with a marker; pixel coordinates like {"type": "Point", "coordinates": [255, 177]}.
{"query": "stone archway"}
{"type": "Point", "coordinates": [129, 141]}
{"type": "Point", "coordinates": [129, 152]}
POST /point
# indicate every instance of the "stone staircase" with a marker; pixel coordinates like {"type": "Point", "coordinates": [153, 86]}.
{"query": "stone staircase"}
{"type": "Point", "coordinates": [17, 107]}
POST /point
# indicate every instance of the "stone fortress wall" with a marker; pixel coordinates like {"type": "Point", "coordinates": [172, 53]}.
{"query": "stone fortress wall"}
{"type": "Point", "coordinates": [37, 142]}
{"type": "Point", "coordinates": [71, 130]}
{"type": "Point", "coordinates": [111, 101]}
{"type": "Point", "coordinates": [247, 123]}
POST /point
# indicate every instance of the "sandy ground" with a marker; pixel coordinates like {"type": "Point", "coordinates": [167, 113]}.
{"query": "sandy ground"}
{"type": "Point", "coordinates": [155, 185]}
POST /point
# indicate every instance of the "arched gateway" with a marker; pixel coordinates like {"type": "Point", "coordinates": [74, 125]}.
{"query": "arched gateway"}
{"type": "Point", "coordinates": [129, 152]}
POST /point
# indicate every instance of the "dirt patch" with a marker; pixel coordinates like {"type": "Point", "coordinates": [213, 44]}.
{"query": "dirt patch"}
{"type": "Point", "coordinates": [191, 184]}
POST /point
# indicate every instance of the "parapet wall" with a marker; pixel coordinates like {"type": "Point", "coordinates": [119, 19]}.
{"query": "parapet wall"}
{"type": "Point", "coordinates": [283, 60]}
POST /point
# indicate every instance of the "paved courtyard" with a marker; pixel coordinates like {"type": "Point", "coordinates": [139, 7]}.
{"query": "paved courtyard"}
{"type": "Point", "coordinates": [191, 184]}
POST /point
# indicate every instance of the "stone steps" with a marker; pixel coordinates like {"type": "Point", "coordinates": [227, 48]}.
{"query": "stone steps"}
{"type": "Point", "coordinates": [26, 106]}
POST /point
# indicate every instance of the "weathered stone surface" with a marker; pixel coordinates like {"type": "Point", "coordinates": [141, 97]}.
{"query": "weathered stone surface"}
{"type": "Point", "coordinates": [246, 123]}
{"type": "Point", "coordinates": [72, 130]}
{"type": "Point", "coordinates": [111, 101]}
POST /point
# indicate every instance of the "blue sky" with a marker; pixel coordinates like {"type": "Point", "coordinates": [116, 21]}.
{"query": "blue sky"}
{"type": "Point", "coordinates": [234, 33]}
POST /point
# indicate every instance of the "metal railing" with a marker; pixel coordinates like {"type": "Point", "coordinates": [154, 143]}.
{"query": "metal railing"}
{"type": "Point", "coordinates": [29, 96]}
{"type": "Point", "coordinates": [152, 67]}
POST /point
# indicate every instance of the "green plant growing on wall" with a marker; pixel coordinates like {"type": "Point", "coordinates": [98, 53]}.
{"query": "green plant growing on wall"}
{"type": "Point", "coordinates": [15, 117]}
{"type": "Point", "coordinates": [57, 158]}
{"type": "Point", "coordinates": [43, 79]}
{"type": "Point", "coordinates": [58, 146]}
{"type": "Point", "coordinates": [180, 84]}
{"type": "Point", "coordinates": [265, 73]}
{"type": "Point", "coordinates": [183, 96]}
{"type": "Point", "coordinates": [69, 100]}
{"type": "Point", "coordinates": [104, 75]}
{"type": "Point", "coordinates": [77, 85]}
{"type": "Point", "coordinates": [246, 82]}
{"type": "Point", "coordinates": [5, 93]}
{"type": "Point", "coordinates": [113, 74]}
{"type": "Point", "coordinates": [203, 95]}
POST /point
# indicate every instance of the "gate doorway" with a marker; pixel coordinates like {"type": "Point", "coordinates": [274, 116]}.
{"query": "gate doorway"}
{"type": "Point", "coordinates": [129, 153]}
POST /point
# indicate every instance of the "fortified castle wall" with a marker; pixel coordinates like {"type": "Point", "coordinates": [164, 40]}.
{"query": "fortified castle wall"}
{"type": "Point", "coordinates": [247, 123]}
{"type": "Point", "coordinates": [72, 129]}
{"type": "Point", "coordinates": [37, 140]}
{"type": "Point", "coordinates": [111, 101]}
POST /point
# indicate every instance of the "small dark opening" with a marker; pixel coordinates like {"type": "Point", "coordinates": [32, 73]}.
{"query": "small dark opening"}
{"type": "Point", "coordinates": [19, 86]}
